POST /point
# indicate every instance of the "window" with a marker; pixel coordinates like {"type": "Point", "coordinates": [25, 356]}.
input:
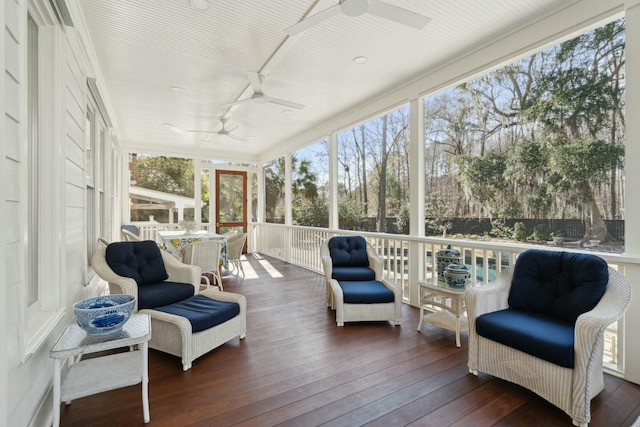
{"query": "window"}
{"type": "Point", "coordinates": [309, 181]}
{"type": "Point", "coordinates": [373, 174]}
{"type": "Point", "coordinates": [33, 292]}
{"type": "Point", "coordinates": [274, 191]}
{"type": "Point", "coordinates": [41, 162]}
{"type": "Point", "coordinates": [533, 150]}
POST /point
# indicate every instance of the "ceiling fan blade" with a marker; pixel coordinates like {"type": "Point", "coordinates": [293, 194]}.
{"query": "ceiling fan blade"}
{"type": "Point", "coordinates": [254, 81]}
{"type": "Point", "coordinates": [240, 101]}
{"type": "Point", "coordinates": [284, 102]}
{"type": "Point", "coordinates": [397, 14]}
{"type": "Point", "coordinates": [237, 138]}
{"type": "Point", "coordinates": [312, 20]}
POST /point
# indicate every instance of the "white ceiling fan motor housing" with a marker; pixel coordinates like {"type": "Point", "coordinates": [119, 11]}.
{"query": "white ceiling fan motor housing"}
{"type": "Point", "coordinates": [354, 7]}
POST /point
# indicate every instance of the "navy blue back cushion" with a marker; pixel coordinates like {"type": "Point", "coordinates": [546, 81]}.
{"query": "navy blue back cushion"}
{"type": "Point", "coordinates": [152, 295]}
{"type": "Point", "coordinates": [203, 312]}
{"type": "Point", "coordinates": [348, 251]}
{"type": "Point", "coordinates": [141, 261]}
{"type": "Point", "coordinates": [562, 284]}
{"type": "Point", "coordinates": [353, 273]}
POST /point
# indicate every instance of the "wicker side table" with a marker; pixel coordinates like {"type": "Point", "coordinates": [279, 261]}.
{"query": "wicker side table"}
{"type": "Point", "coordinates": [449, 300]}
{"type": "Point", "coordinates": [100, 374]}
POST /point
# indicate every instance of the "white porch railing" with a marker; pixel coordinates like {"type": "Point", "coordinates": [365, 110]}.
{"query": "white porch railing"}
{"type": "Point", "coordinates": [301, 246]}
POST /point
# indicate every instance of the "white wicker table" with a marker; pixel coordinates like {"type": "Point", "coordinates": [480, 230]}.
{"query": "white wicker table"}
{"type": "Point", "coordinates": [100, 374]}
{"type": "Point", "coordinates": [450, 302]}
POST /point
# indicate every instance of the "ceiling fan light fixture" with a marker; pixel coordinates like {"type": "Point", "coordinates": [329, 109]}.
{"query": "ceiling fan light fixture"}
{"type": "Point", "coordinates": [201, 5]}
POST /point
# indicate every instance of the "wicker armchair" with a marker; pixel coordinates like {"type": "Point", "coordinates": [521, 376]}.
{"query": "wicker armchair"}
{"type": "Point", "coordinates": [174, 333]}
{"type": "Point", "coordinates": [570, 389]}
{"type": "Point", "coordinates": [361, 270]}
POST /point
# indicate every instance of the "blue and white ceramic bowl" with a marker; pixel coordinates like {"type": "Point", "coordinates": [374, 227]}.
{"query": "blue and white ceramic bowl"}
{"type": "Point", "coordinates": [104, 315]}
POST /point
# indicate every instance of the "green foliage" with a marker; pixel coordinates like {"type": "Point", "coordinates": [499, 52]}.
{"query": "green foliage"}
{"type": "Point", "coordinates": [350, 214]}
{"type": "Point", "coordinates": [403, 220]}
{"type": "Point", "coordinates": [541, 233]}
{"type": "Point", "coordinates": [500, 229]}
{"type": "Point", "coordinates": [311, 212]}
{"type": "Point", "coordinates": [519, 232]}
{"type": "Point", "coordinates": [303, 184]}
{"type": "Point", "coordinates": [437, 215]}
{"type": "Point", "coordinates": [167, 174]}
{"type": "Point", "coordinates": [483, 177]}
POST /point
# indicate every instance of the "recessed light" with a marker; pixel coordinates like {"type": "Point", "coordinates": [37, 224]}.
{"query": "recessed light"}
{"type": "Point", "coordinates": [200, 4]}
{"type": "Point", "coordinates": [360, 59]}
{"type": "Point", "coordinates": [286, 111]}
{"type": "Point", "coordinates": [176, 89]}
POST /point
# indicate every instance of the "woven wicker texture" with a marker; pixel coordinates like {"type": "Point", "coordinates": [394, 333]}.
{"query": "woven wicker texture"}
{"type": "Point", "coordinates": [569, 389]}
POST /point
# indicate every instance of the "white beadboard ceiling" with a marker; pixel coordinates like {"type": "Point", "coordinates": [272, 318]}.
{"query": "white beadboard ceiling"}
{"type": "Point", "coordinates": [146, 47]}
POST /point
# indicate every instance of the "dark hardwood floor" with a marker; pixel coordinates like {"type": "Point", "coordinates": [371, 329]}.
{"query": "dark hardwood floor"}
{"type": "Point", "coordinates": [296, 367]}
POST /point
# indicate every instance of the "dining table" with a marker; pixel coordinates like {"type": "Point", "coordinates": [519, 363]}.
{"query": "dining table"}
{"type": "Point", "coordinates": [173, 241]}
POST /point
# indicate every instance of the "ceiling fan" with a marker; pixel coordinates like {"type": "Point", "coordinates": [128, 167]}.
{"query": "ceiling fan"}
{"type": "Point", "coordinates": [360, 7]}
{"type": "Point", "coordinates": [222, 132]}
{"type": "Point", "coordinates": [259, 96]}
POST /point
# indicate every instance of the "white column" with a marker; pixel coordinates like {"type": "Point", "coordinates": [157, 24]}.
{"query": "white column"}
{"type": "Point", "coordinates": [125, 205]}
{"type": "Point", "coordinates": [333, 181]}
{"type": "Point", "coordinates": [416, 196]}
{"type": "Point", "coordinates": [197, 191]}
{"type": "Point", "coordinates": [632, 197]}
{"type": "Point", "coordinates": [287, 207]}
{"type": "Point", "coordinates": [287, 189]}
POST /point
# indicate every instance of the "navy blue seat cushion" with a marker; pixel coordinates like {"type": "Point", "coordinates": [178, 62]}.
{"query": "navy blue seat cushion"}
{"type": "Point", "coordinates": [541, 335]}
{"type": "Point", "coordinates": [348, 251]}
{"type": "Point", "coordinates": [203, 313]}
{"type": "Point", "coordinates": [562, 284]}
{"type": "Point", "coordinates": [141, 261]}
{"type": "Point", "coordinates": [152, 295]}
{"type": "Point", "coordinates": [353, 273]}
{"type": "Point", "coordinates": [365, 292]}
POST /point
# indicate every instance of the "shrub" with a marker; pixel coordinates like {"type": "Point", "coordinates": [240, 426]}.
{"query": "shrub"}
{"type": "Point", "coordinates": [519, 231]}
{"type": "Point", "coordinates": [541, 233]}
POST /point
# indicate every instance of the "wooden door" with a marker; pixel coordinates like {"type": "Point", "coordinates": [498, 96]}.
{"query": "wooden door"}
{"type": "Point", "coordinates": [231, 201]}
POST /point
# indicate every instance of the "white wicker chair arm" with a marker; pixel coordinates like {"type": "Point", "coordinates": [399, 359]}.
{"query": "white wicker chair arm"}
{"type": "Point", "coordinates": [117, 284]}
{"type": "Point", "coordinates": [589, 337]}
{"type": "Point", "coordinates": [485, 299]}
{"type": "Point", "coordinates": [180, 272]}
{"type": "Point", "coordinates": [375, 262]}
{"type": "Point", "coordinates": [327, 266]}
{"type": "Point", "coordinates": [216, 294]}
{"type": "Point", "coordinates": [489, 297]}
{"type": "Point", "coordinates": [394, 287]}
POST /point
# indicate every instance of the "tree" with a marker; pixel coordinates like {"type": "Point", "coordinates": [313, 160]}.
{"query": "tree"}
{"type": "Point", "coordinates": [577, 100]}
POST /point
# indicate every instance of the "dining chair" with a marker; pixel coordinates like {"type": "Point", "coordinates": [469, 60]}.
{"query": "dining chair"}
{"type": "Point", "coordinates": [130, 232]}
{"type": "Point", "coordinates": [206, 255]}
{"type": "Point", "coordinates": [235, 244]}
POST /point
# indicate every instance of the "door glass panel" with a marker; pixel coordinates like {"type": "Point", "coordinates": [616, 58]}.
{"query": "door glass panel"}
{"type": "Point", "coordinates": [231, 203]}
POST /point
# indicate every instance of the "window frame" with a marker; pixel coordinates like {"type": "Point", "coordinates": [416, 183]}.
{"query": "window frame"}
{"type": "Point", "coordinates": [41, 299]}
